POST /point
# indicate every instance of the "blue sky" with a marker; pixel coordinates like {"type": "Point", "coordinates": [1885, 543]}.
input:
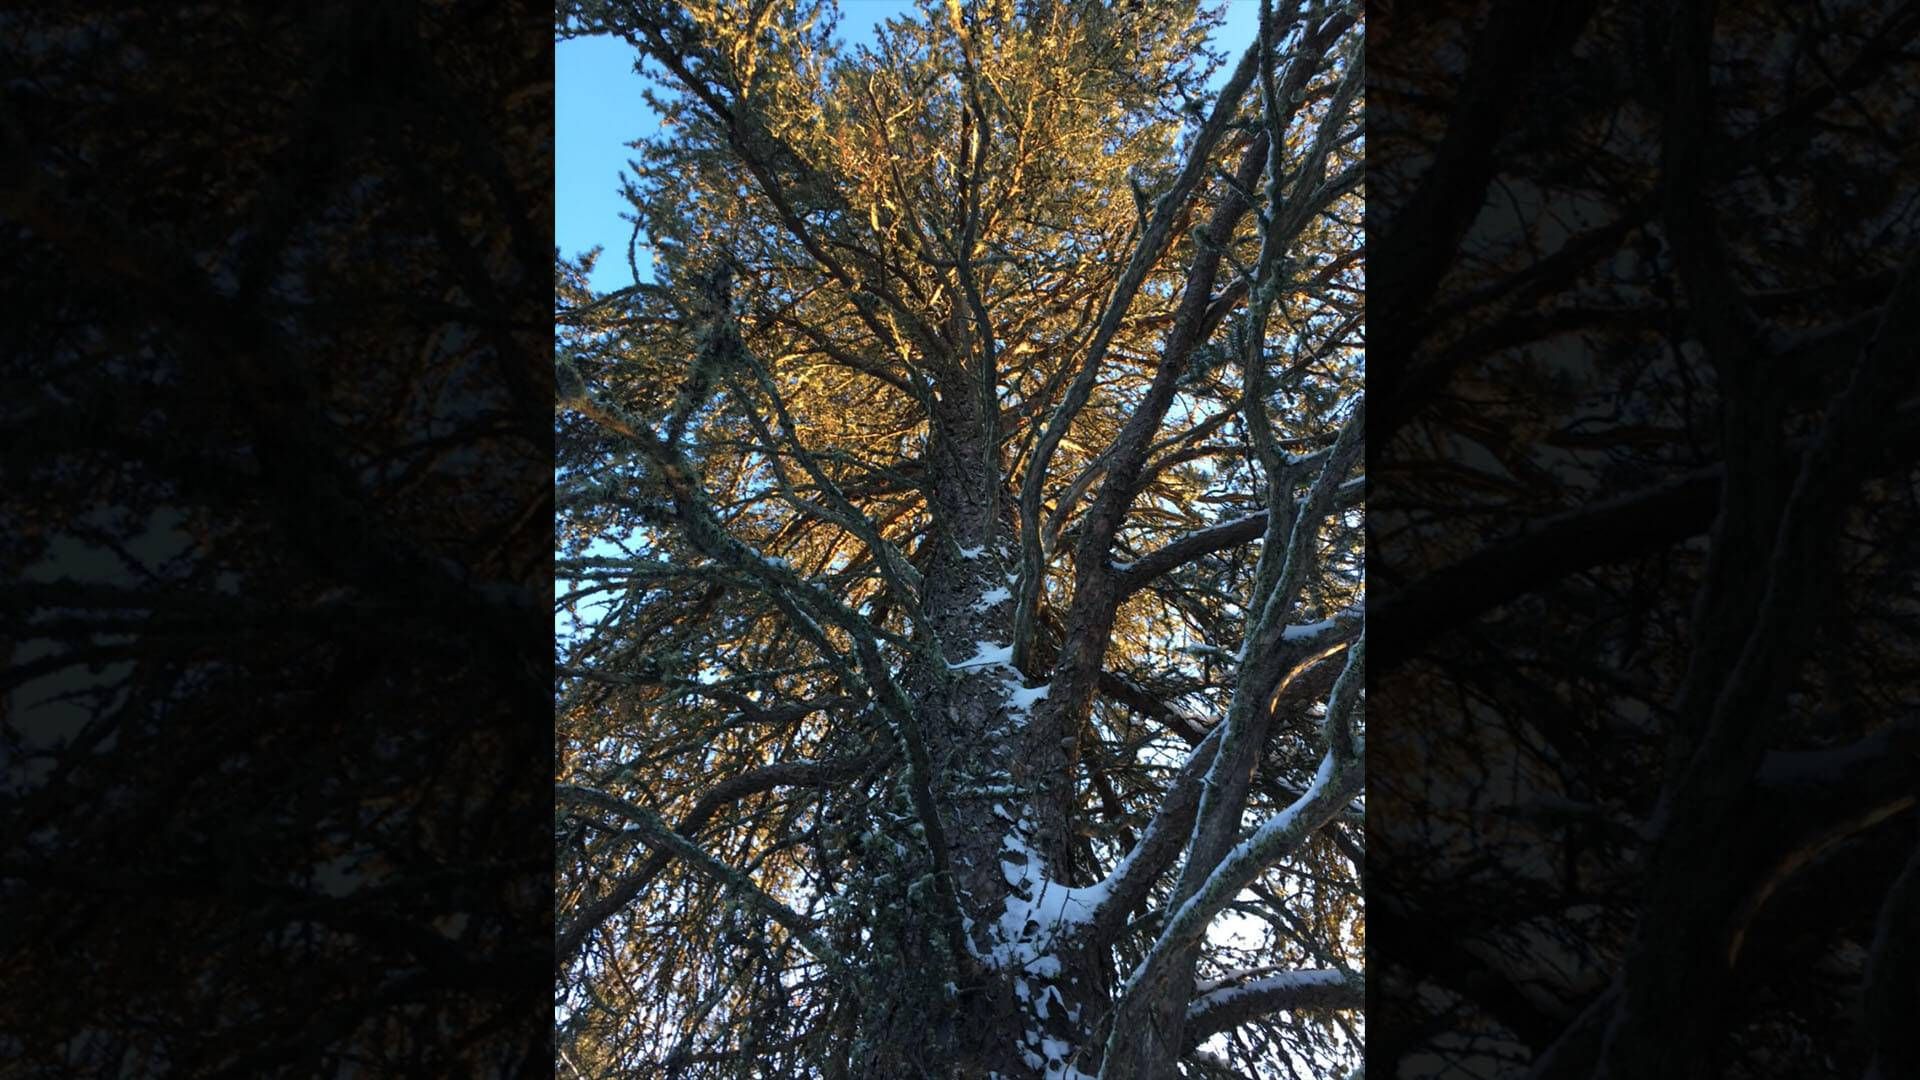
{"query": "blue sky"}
{"type": "Point", "coordinates": [599, 110]}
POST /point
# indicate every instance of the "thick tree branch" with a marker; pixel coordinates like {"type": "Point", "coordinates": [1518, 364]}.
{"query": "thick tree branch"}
{"type": "Point", "coordinates": [1318, 990]}
{"type": "Point", "coordinates": [1201, 895]}
{"type": "Point", "coordinates": [1157, 848]}
{"type": "Point", "coordinates": [1140, 573]}
{"type": "Point", "coordinates": [1637, 524]}
{"type": "Point", "coordinates": [1146, 254]}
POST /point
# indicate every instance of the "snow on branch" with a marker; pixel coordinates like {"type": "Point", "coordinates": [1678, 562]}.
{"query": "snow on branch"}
{"type": "Point", "coordinates": [1289, 991]}
{"type": "Point", "coordinates": [985, 655]}
{"type": "Point", "coordinates": [1158, 847]}
{"type": "Point", "coordinates": [1339, 778]}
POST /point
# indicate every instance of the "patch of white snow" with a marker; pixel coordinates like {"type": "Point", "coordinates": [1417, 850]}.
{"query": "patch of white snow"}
{"type": "Point", "coordinates": [999, 594]}
{"type": "Point", "coordinates": [986, 654]}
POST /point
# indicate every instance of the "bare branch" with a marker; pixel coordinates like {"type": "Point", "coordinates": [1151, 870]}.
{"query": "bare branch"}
{"type": "Point", "coordinates": [657, 835]}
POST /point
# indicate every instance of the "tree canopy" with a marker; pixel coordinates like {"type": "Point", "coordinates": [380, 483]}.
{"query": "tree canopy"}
{"type": "Point", "coordinates": [960, 606]}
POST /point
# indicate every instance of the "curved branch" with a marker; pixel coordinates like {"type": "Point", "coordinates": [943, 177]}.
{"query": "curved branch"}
{"type": "Point", "coordinates": [1152, 245]}
{"type": "Point", "coordinates": [731, 790]}
{"type": "Point", "coordinates": [655, 833]}
{"type": "Point", "coordinates": [1639, 523]}
{"type": "Point", "coordinates": [1318, 990]}
{"type": "Point", "coordinates": [1340, 777]}
{"type": "Point", "coordinates": [1157, 847]}
{"type": "Point", "coordinates": [1338, 780]}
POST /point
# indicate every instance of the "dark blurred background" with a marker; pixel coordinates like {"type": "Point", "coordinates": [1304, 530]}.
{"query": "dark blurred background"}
{"type": "Point", "coordinates": [1643, 509]}
{"type": "Point", "coordinates": [275, 526]}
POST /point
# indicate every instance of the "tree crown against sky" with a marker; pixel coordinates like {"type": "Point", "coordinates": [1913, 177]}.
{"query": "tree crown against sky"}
{"type": "Point", "coordinates": [968, 511]}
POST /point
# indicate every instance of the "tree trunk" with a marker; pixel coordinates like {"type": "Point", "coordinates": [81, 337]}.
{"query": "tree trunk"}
{"type": "Point", "coordinates": [1020, 1002]}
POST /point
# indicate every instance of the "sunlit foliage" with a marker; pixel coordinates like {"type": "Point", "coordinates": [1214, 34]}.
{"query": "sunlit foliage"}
{"type": "Point", "coordinates": [863, 419]}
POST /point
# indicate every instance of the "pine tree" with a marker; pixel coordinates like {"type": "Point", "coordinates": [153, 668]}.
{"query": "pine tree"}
{"type": "Point", "coordinates": [961, 536]}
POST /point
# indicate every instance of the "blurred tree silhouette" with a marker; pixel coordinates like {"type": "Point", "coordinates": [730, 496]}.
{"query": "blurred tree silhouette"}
{"type": "Point", "coordinates": [275, 500]}
{"type": "Point", "coordinates": [1643, 520]}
